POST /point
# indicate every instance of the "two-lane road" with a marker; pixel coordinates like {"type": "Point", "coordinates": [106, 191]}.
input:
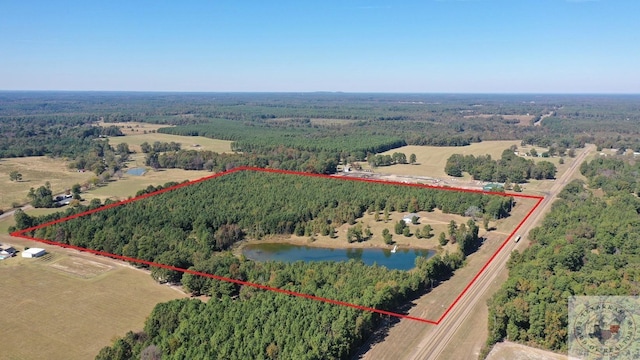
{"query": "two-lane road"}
{"type": "Point", "coordinates": [433, 345]}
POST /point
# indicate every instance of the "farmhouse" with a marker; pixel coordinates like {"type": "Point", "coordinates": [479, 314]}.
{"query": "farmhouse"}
{"type": "Point", "coordinates": [33, 253]}
{"type": "Point", "coordinates": [408, 219]}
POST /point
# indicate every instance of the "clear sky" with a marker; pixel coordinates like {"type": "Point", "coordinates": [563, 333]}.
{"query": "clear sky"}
{"type": "Point", "coordinates": [486, 46]}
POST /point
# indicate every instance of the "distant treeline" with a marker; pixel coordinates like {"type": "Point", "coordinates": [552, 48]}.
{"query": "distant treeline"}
{"type": "Point", "coordinates": [66, 136]}
{"type": "Point", "coordinates": [321, 121]}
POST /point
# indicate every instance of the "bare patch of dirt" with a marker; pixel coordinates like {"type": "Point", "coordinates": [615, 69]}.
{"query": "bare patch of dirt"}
{"type": "Point", "coordinates": [81, 268]}
{"type": "Point", "coordinates": [512, 351]}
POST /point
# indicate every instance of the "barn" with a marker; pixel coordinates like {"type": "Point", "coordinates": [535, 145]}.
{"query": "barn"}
{"type": "Point", "coordinates": [33, 253]}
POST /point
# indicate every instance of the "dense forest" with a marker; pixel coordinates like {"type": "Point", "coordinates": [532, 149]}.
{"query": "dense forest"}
{"type": "Point", "coordinates": [258, 324]}
{"type": "Point", "coordinates": [588, 245]}
{"type": "Point", "coordinates": [173, 227]}
{"type": "Point", "coordinates": [510, 168]}
{"type": "Point", "coordinates": [188, 226]}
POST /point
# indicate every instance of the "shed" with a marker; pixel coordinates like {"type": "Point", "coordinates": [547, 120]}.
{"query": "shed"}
{"type": "Point", "coordinates": [33, 253]}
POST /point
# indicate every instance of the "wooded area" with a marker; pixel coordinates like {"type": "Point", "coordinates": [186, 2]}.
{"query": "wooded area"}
{"type": "Point", "coordinates": [587, 245]}
{"type": "Point", "coordinates": [187, 227]}
{"type": "Point", "coordinates": [510, 168]}
{"type": "Point", "coordinates": [214, 214]}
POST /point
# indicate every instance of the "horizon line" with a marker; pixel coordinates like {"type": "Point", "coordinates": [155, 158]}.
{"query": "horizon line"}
{"type": "Point", "coordinates": [317, 92]}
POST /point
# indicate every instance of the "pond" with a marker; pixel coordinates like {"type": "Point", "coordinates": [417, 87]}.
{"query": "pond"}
{"type": "Point", "coordinates": [402, 259]}
{"type": "Point", "coordinates": [136, 171]}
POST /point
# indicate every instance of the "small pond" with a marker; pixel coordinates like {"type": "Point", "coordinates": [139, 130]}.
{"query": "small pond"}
{"type": "Point", "coordinates": [402, 259]}
{"type": "Point", "coordinates": [136, 171]}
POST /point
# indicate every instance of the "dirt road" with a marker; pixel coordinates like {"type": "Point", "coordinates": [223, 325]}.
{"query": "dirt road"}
{"type": "Point", "coordinates": [434, 339]}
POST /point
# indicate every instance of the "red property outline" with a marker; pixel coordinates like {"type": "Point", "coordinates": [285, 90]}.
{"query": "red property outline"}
{"type": "Point", "coordinates": [539, 199]}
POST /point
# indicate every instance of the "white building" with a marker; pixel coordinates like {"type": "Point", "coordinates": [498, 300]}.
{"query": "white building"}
{"type": "Point", "coordinates": [408, 219]}
{"type": "Point", "coordinates": [33, 253]}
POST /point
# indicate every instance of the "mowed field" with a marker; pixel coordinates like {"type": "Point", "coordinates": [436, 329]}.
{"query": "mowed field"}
{"type": "Point", "coordinates": [68, 305]}
{"type": "Point", "coordinates": [188, 142]}
{"type": "Point", "coordinates": [38, 170]}
{"type": "Point", "coordinates": [432, 159]}
{"type": "Point", "coordinates": [130, 184]}
{"type": "Point", "coordinates": [35, 170]}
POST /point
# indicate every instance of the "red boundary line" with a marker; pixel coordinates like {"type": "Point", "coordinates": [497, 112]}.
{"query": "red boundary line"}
{"type": "Point", "coordinates": [21, 234]}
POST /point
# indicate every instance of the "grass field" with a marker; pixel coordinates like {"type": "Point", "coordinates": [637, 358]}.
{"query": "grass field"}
{"type": "Point", "coordinates": [35, 172]}
{"type": "Point", "coordinates": [135, 128]}
{"type": "Point", "coordinates": [438, 221]}
{"type": "Point", "coordinates": [130, 184]}
{"type": "Point", "coordinates": [432, 159]}
{"type": "Point", "coordinates": [187, 142]}
{"type": "Point", "coordinates": [68, 305]}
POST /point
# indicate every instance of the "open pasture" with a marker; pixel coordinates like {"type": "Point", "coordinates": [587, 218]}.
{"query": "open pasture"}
{"type": "Point", "coordinates": [187, 142]}
{"type": "Point", "coordinates": [36, 171]}
{"type": "Point", "coordinates": [432, 159]}
{"type": "Point", "coordinates": [135, 128]}
{"type": "Point", "coordinates": [69, 305]}
{"type": "Point", "coordinates": [130, 184]}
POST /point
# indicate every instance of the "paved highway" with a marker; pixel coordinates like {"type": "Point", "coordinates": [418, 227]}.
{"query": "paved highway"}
{"type": "Point", "coordinates": [433, 345]}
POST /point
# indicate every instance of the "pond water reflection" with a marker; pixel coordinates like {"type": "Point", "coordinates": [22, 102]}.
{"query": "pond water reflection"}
{"type": "Point", "coordinates": [402, 259]}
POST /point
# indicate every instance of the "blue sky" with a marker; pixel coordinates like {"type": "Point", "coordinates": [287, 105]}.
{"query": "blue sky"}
{"type": "Point", "coordinates": [461, 46]}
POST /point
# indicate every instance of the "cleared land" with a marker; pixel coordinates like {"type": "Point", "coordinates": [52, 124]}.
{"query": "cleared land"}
{"type": "Point", "coordinates": [187, 142]}
{"type": "Point", "coordinates": [512, 351]}
{"type": "Point", "coordinates": [35, 172]}
{"type": "Point", "coordinates": [135, 128]}
{"type": "Point", "coordinates": [523, 120]}
{"type": "Point", "coordinates": [432, 159]}
{"type": "Point", "coordinates": [437, 219]}
{"type": "Point", "coordinates": [130, 184]}
{"type": "Point", "coordinates": [68, 305]}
